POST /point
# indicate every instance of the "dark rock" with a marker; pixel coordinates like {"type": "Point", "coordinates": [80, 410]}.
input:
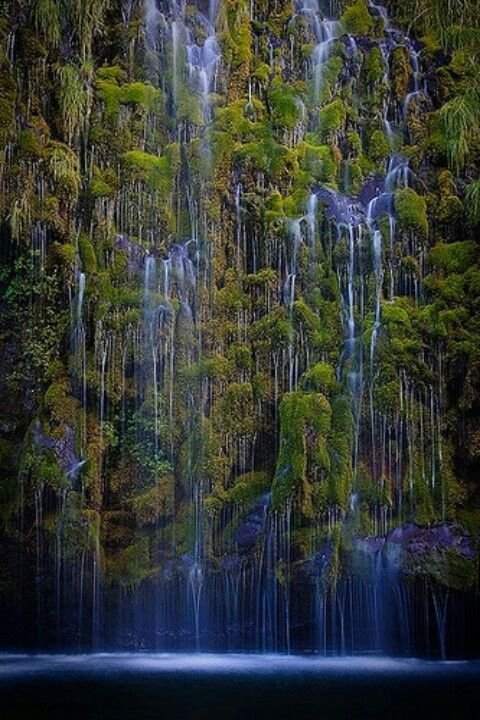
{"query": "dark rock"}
{"type": "Point", "coordinates": [251, 528]}
{"type": "Point", "coordinates": [320, 563]}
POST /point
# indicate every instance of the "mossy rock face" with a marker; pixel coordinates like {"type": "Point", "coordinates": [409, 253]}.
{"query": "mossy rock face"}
{"type": "Point", "coordinates": [332, 117]}
{"type": "Point", "coordinates": [356, 19]}
{"type": "Point", "coordinates": [446, 568]}
{"type": "Point", "coordinates": [374, 67]}
{"type": "Point", "coordinates": [401, 71]}
{"type": "Point", "coordinates": [286, 107]}
{"type": "Point", "coordinates": [378, 146]}
{"type": "Point", "coordinates": [137, 94]}
{"type": "Point", "coordinates": [249, 487]}
{"type": "Point", "coordinates": [130, 566]}
{"type": "Point", "coordinates": [151, 169]}
{"type": "Point", "coordinates": [305, 420]}
{"type": "Point", "coordinates": [455, 257]}
{"type": "Point", "coordinates": [443, 554]}
{"type": "Point", "coordinates": [236, 382]}
{"type": "Point", "coordinates": [411, 210]}
{"type": "Point", "coordinates": [87, 255]}
{"type": "Point", "coordinates": [318, 161]}
{"type": "Point", "coordinates": [320, 378]}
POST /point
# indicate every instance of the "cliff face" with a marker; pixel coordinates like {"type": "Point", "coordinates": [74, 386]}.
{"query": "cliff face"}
{"type": "Point", "coordinates": [239, 298]}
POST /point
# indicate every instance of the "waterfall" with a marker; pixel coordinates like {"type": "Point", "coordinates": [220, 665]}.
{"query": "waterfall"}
{"type": "Point", "coordinates": [242, 438]}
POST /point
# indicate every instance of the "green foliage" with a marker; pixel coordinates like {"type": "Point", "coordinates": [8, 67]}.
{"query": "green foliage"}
{"type": "Point", "coordinates": [156, 171]}
{"type": "Point", "coordinates": [333, 116]}
{"type": "Point", "coordinates": [356, 19]}
{"type": "Point", "coordinates": [72, 97]}
{"type": "Point", "coordinates": [374, 67]}
{"type": "Point", "coordinates": [87, 255]}
{"type": "Point", "coordinates": [137, 94]}
{"type": "Point", "coordinates": [320, 378]}
{"type": "Point", "coordinates": [378, 146]}
{"type": "Point", "coordinates": [87, 17]}
{"type": "Point", "coordinates": [130, 566]}
{"type": "Point", "coordinates": [286, 107]}
{"type": "Point", "coordinates": [411, 211]}
{"type": "Point", "coordinates": [459, 120]}
{"type": "Point", "coordinates": [266, 156]}
{"type": "Point", "coordinates": [47, 20]}
{"type": "Point", "coordinates": [454, 257]}
{"type": "Point", "coordinates": [447, 568]}
{"type": "Point", "coordinates": [248, 488]}
{"type": "Point", "coordinates": [304, 423]}
{"type": "Point", "coordinates": [473, 201]}
{"type": "Point", "coordinates": [86, 156]}
{"type": "Point", "coordinates": [318, 161]}
{"type": "Point", "coordinates": [64, 169]}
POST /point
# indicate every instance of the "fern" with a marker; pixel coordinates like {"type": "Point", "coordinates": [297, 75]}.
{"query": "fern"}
{"type": "Point", "coordinates": [473, 202]}
{"type": "Point", "coordinates": [87, 17]}
{"type": "Point", "coordinates": [72, 97]}
{"type": "Point", "coordinates": [458, 37]}
{"type": "Point", "coordinates": [459, 119]}
{"type": "Point", "coordinates": [47, 20]}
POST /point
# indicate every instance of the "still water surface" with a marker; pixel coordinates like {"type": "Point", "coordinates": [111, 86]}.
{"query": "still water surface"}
{"type": "Point", "coordinates": [247, 687]}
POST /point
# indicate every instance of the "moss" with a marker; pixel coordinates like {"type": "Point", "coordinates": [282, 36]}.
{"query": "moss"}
{"type": "Point", "coordinates": [140, 95]}
{"type": "Point", "coordinates": [455, 257]}
{"type": "Point", "coordinates": [261, 72]}
{"type": "Point", "coordinates": [104, 183]}
{"type": "Point", "coordinates": [130, 566]}
{"type": "Point", "coordinates": [236, 410]}
{"type": "Point", "coordinates": [305, 317]}
{"type": "Point", "coordinates": [378, 146]}
{"type": "Point", "coordinates": [29, 144]}
{"type": "Point", "coordinates": [332, 116]}
{"type": "Point", "coordinates": [374, 67]}
{"type": "Point", "coordinates": [354, 143]}
{"type": "Point", "coordinates": [304, 421]}
{"type": "Point", "coordinates": [112, 73]}
{"type": "Point", "coordinates": [48, 470]}
{"type": "Point", "coordinates": [63, 168]}
{"type": "Point", "coordinates": [356, 19]}
{"type": "Point", "coordinates": [286, 108]}
{"type": "Point", "coordinates": [87, 255]}
{"type": "Point", "coordinates": [340, 448]}
{"type": "Point", "coordinates": [401, 72]}
{"type": "Point", "coordinates": [156, 171]}
{"type": "Point", "coordinates": [249, 487]}
{"type": "Point", "coordinates": [154, 503]}
{"type": "Point", "coordinates": [411, 210]}
{"type": "Point", "coordinates": [59, 404]}
{"type": "Point", "coordinates": [447, 568]}
{"type": "Point", "coordinates": [320, 378]}
{"type": "Point", "coordinates": [212, 367]}
{"type": "Point", "coordinates": [72, 97]}
{"type": "Point", "coordinates": [318, 161]}
{"type": "Point", "coordinates": [266, 156]}
{"type": "Point", "coordinates": [271, 331]}
{"type": "Point", "coordinates": [66, 255]}
{"type": "Point", "coordinates": [294, 204]}
{"type": "Point", "coordinates": [47, 21]}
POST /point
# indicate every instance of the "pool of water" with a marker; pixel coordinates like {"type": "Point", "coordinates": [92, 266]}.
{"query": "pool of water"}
{"type": "Point", "coordinates": [250, 687]}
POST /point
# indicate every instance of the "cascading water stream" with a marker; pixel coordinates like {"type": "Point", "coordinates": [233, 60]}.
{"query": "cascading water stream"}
{"type": "Point", "coordinates": [254, 444]}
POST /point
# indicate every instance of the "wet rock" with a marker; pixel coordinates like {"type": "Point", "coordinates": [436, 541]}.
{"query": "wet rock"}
{"type": "Point", "coordinates": [135, 253]}
{"type": "Point", "coordinates": [420, 541]}
{"type": "Point", "coordinates": [251, 528]}
{"type": "Point", "coordinates": [319, 565]}
{"type": "Point", "coordinates": [370, 545]}
{"type": "Point", "coordinates": [230, 563]}
{"type": "Point", "coordinates": [64, 449]}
